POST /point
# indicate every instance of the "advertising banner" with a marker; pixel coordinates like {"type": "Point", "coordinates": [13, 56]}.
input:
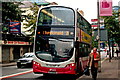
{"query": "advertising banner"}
{"type": "Point", "coordinates": [15, 27]}
{"type": "Point", "coordinates": [105, 7]}
{"type": "Point", "coordinates": [85, 37]}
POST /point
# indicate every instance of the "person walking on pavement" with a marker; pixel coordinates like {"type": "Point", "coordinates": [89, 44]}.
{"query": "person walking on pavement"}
{"type": "Point", "coordinates": [94, 57]}
{"type": "Point", "coordinates": [117, 51]}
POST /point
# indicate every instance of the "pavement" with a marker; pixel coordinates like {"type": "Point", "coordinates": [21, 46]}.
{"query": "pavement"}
{"type": "Point", "coordinates": [8, 64]}
{"type": "Point", "coordinates": [109, 70]}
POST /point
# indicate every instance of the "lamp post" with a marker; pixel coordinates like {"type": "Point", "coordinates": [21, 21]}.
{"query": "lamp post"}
{"type": "Point", "coordinates": [109, 52]}
{"type": "Point", "coordinates": [99, 68]}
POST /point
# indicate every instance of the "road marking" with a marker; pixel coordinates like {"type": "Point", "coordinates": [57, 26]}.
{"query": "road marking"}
{"type": "Point", "coordinates": [16, 74]}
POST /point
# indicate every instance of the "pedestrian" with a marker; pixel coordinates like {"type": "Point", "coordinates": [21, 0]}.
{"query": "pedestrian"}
{"type": "Point", "coordinates": [117, 51]}
{"type": "Point", "coordinates": [94, 57]}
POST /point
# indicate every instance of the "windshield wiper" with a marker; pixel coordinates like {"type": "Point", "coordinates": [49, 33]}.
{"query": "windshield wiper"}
{"type": "Point", "coordinates": [54, 38]}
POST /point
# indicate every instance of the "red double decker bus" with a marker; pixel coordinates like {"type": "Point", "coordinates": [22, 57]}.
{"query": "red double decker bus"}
{"type": "Point", "coordinates": [62, 41]}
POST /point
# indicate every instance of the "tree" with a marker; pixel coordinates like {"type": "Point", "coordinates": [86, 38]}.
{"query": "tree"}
{"type": "Point", "coordinates": [10, 11]}
{"type": "Point", "coordinates": [112, 25]}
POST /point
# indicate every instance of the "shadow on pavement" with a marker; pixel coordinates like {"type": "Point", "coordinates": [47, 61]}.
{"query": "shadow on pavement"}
{"type": "Point", "coordinates": [57, 77]}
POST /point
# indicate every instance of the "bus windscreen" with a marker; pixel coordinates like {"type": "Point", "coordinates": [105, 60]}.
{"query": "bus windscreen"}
{"type": "Point", "coordinates": [56, 16]}
{"type": "Point", "coordinates": [54, 44]}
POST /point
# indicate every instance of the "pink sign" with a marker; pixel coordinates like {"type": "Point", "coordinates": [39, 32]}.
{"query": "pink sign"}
{"type": "Point", "coordinates": [105, 7]}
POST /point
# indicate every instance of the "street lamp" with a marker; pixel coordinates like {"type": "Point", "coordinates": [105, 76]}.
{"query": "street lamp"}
{"type": "Point", "coordinates": [99, 68]}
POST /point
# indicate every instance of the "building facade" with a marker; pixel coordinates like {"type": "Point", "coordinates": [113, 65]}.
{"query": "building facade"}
{"type": "Point", "coordinates": [13, 50]}
{"type": "Point", "coordinates": [14, 45]}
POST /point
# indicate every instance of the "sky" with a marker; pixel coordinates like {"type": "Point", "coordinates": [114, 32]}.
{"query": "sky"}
{"type": "Point", "coordinates": [89, 7]}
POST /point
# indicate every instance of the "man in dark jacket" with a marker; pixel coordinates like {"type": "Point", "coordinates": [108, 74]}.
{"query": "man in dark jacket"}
{"type": "Point", "coordinates": [94, 57]}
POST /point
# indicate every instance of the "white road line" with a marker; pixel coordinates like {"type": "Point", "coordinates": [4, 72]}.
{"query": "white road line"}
{"type": "Point", "coordinates": [16, 74]}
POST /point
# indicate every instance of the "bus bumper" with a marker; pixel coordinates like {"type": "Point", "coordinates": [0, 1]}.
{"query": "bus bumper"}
{"type": "Point", "coordinates": [69, 69]}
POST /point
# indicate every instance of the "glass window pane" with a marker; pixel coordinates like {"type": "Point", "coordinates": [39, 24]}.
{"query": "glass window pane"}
{"type": "Point", "coordinates": [56, 16]}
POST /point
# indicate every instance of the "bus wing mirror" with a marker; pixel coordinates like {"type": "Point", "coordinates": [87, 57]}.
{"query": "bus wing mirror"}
{"type": "Point", "coordinates": [76, 38]}
{"type": "Point", "coordinates": [76, 44]}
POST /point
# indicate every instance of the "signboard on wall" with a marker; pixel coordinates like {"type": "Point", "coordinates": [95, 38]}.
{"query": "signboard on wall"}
{"type": "Point", "coordinates": [15, 43]}
{"type": "Point", "coordinates": [15, 27]}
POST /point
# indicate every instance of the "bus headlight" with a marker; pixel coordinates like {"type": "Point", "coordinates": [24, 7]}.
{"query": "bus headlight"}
{"type": "Point", "coordinates": [18, 60]}
{"type": "Point", "coordinates": [70, 65]}
{"type": "Point", "coordinates": [29, 61]}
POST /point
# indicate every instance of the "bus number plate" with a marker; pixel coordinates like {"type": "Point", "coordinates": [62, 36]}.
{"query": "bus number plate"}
{"type": "Point", "coordinates": [52, 72]}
